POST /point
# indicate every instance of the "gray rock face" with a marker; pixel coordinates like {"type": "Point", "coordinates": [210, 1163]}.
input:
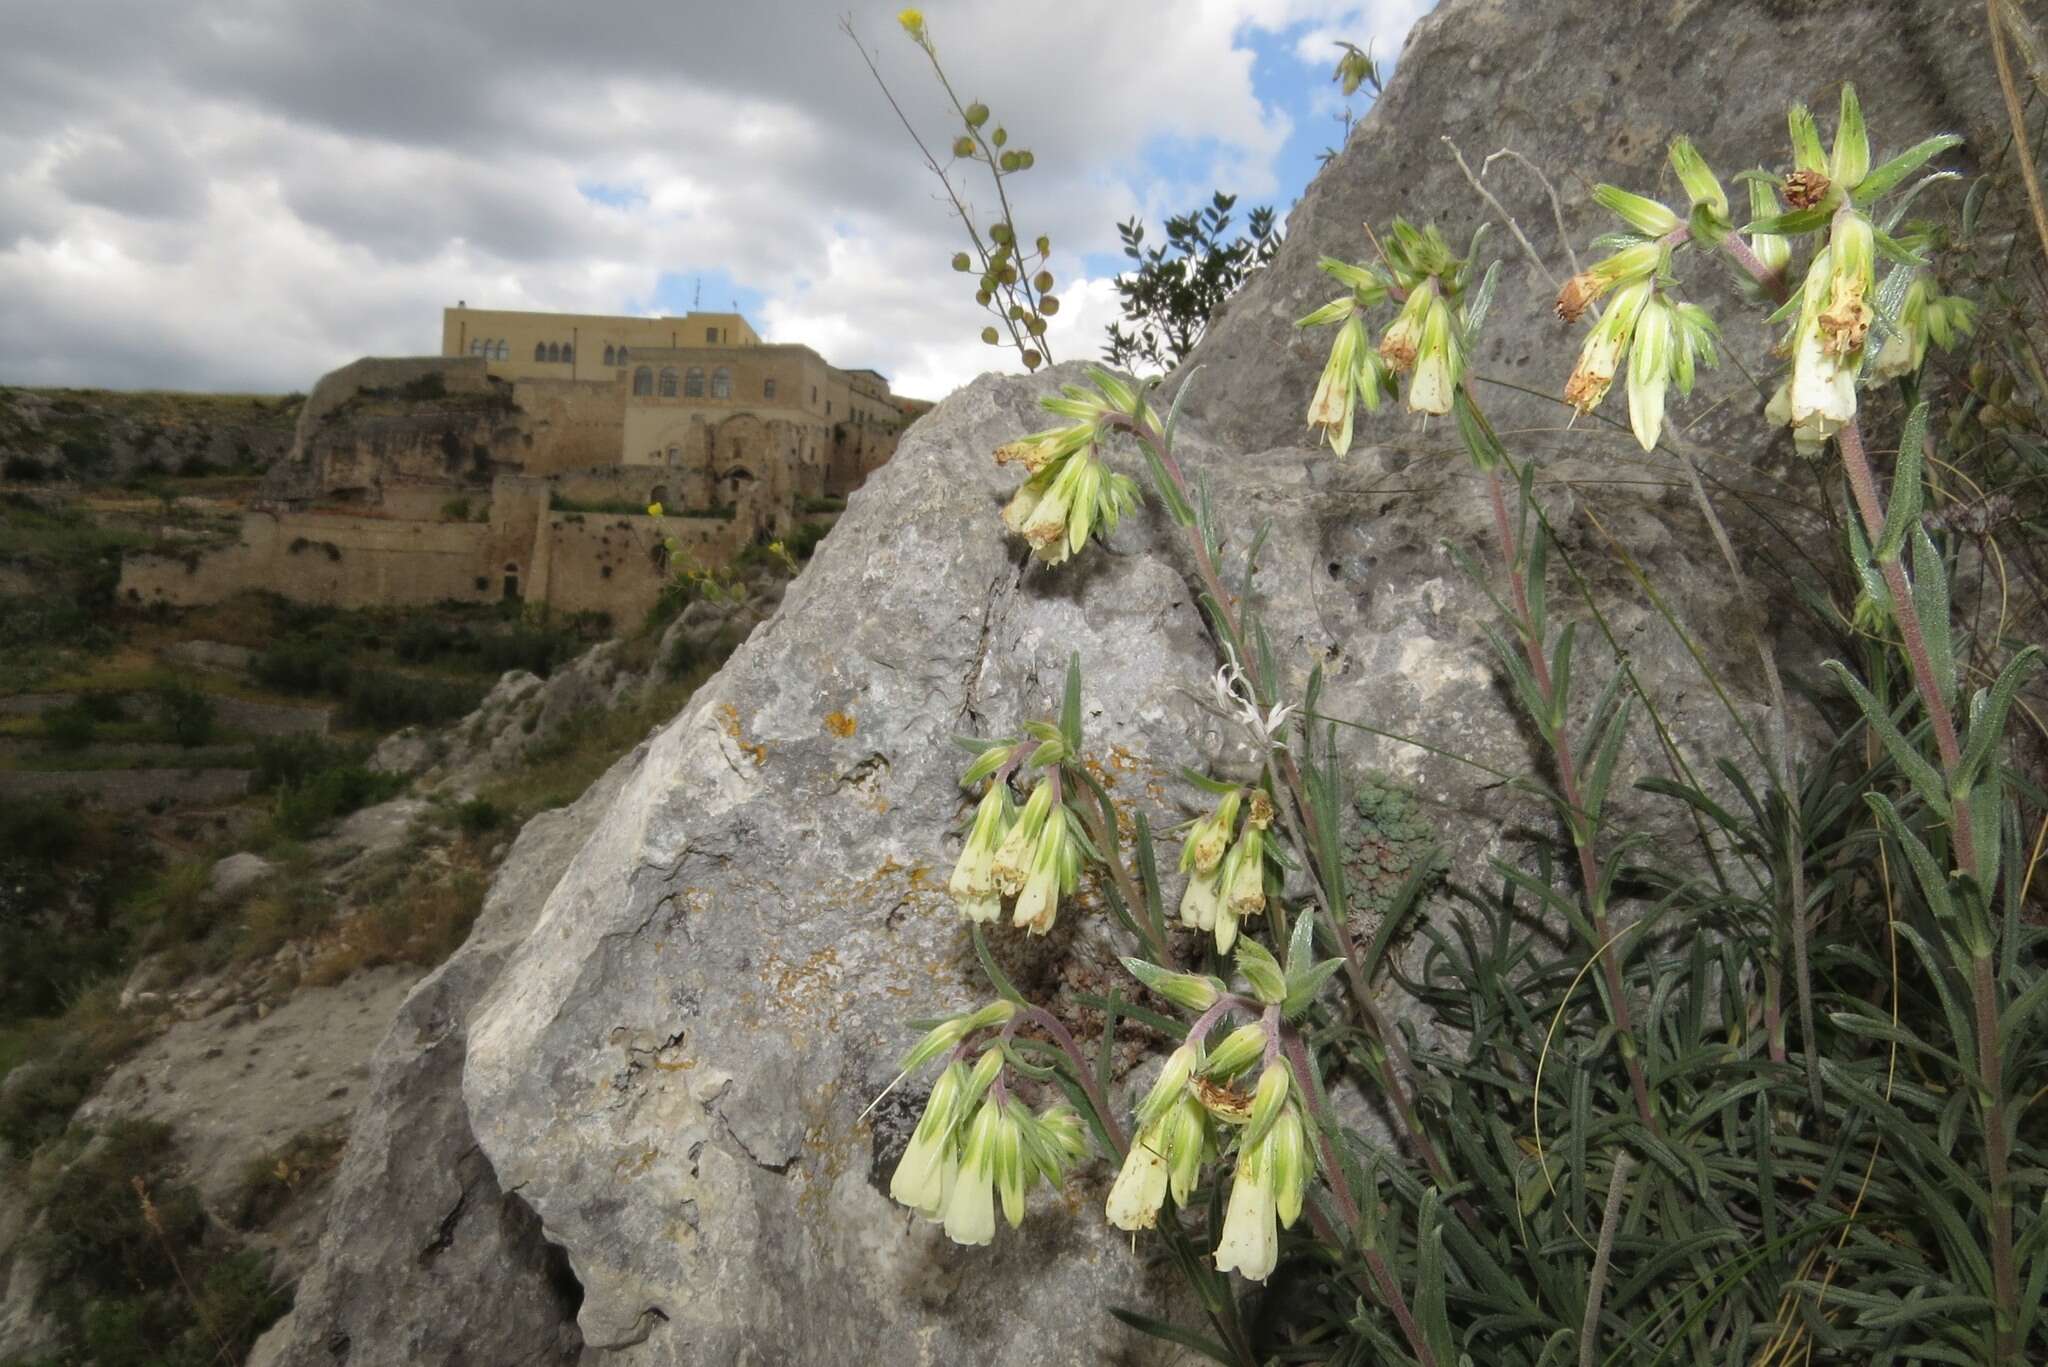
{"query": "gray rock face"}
{"type": "Point", "coordinates": [238, 873]}
{"type": "Point", "coordinates": [425, 1257]}
{"type": "Point", "coordinates": [1588, 93]}
{"type": "Point", "coordinates": [689, 987]}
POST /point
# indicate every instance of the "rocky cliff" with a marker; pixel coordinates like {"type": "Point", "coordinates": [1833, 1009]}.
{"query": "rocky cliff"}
{"type": "Point", "coordinates": [98, 434]}
{"type": "Point", "coordinates": [625, 1124]}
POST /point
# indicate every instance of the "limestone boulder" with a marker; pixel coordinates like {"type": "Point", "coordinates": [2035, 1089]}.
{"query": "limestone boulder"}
{"type": "Point", "coordinates": [653, 1066]}
{"type": "Point", "coordinates": [236, 874]}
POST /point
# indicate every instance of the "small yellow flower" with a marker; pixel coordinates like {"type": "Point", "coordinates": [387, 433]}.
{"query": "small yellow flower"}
{"type": "Point", "coordinates": [654, 510]}
{"type": "Point", "coordinates": [912, 21]}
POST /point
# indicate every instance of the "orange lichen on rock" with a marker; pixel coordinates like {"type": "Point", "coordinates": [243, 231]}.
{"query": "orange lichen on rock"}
{"type": "Point", "coordinates": [840, 724]}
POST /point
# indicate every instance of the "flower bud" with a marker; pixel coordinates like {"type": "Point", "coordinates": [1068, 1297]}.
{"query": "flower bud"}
{"type": "Point", "coordinates": [1275, 1086]}
{"type": "Point", "coordinates": [1192, 991]}
{"type": "Point", "coordinates": [1649, 372]}
{"type": "Point", "coordinates": [1647, 216]}
{"type": "Point", "coordinates": [1209, 837]}
{"type": "Point", "coordinates": [1013, 857]}
{"type": "Point", "coordinates": [1702, 187]}
{"type": "Point", "coordinates": [1849, 162]}
{"type": "Point", "coordinates": [1171, 1085]}
{"type": "Point", "coordinates": [1240, 1049]}
{"type": "Point", "coordinates": [1773, 251]}
{"type": "Point", "coordinates": [1288, 1152]}
{"type": "Point", "coordinates": [1262, 971]}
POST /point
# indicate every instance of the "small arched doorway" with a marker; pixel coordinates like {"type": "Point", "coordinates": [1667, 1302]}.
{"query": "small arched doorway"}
{"type": "Point", "coordinates": [511, 583]}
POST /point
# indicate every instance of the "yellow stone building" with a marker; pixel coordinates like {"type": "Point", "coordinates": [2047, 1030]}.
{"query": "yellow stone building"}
{"type": "Point", "coordinates": [520, 462]}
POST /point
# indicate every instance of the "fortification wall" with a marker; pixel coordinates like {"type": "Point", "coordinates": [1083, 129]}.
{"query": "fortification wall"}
{"type": "Point", "coordinates": [574, 424]}
{"type": "Point", "coordinates": [338, 560]}
{"type": "Point", "coordinates": [605, 563]}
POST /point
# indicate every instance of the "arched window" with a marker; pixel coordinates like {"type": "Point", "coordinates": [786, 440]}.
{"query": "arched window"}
{"type": "Point", "coordinates": [540, 351]}
{"type": "Point", "coordinates": [693, 384]}
{"type": "Point", "coordinates": [668, 382]}
{"type": "Point", "coordinates": [622, 355]}
{"type": "Point", "coordinates": [768, 389]}
{"type": "Point", "coordinates": [608, 356]}
{"type": "Point", "coordinates": [476, 346]}
{"type": "Point", "coordinates": [643, 380]}
{"type": "Point", "coordinates": [659, 494]}
{"type": "Point", "coordinates": [721, 383]}
{"type": "Point", "coordinates": [504, 352]}
{"type": "Point", "coordinates": [568, 352]}
{"type": "Point", "coordinates": [554, 351]}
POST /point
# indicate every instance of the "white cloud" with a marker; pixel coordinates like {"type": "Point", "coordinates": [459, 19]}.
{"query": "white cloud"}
{"type": "Point", "coordinates": [243, 194]}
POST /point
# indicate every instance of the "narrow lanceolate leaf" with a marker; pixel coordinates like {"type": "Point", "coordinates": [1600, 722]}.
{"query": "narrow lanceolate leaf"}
{"type": "Point", "coordinates": [1885, 178]}
{"type": "Point", "coordinates": [1302, 987]}
{"type": "Point", "coordinates": [1933, 881]}
{"type": "Point", "coordinates": [1174, 1333]}
{"type": "Point", "coordinates": [1930, 601]}
{"type": "Point", "coordinates": [1477, 433]}
{"type": "Point", "coordinates": [1070, 706]}
{"type": "Point", "coordinates": [1925, 779]}
{"type": "Point", "coordinates": [1603, 764]}
{"type": "Point", "coordinates": [1480, 305]}
{"type": "Point", "coordinates": [1791, 224]}
{"type": "Point", "coordinates": [1173, 417]}
{"type": "Point", "coordinates": [1987, 716]}
{"type": "Point", "coordinates": [1301, 944]}
{"type": "Point", "coordinates": [1902, 514]}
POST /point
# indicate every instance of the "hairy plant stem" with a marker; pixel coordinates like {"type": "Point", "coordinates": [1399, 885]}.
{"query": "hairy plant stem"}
{"type": "Point", "coordinates": [1388, 1287]}
{"type": "Point", "coordinates": [1983, 981]}
{"type": "Point", "coordinates": [1170, 1228]}
{"type": "Point", "coordinates": [1568, 783]}
{"type": "Point", "coordinates": [1394, 1065]}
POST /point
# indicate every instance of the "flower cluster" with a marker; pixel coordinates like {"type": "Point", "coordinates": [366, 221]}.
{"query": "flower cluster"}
{"type": "Point", "coordinates": [1180, 1124]}
{"type": "Point", "coordinates": [1226, 881]}
{"type": "Point", "coordinates": [1924, 315]}
{"type": "Point", "coordinates": [1069, 493]}
{"type": "Point", "coordinates": [1663, 342]}
{"type": "Point", "coordinates": [1423, 342]}
{"type": "Point", "coordinates": [976, 1142]}
{"type": "Point", "coordinates": [1031, 853]}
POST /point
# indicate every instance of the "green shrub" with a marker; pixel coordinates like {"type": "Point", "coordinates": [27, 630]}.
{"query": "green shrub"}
{"type": "Point", "coordinates": [136, 1274]}
{"type": "Point", "coordinates": [188, 714]}
{"type": "Point", "coordinates": [479, 816]}
{"type": "Point", "coordinates": [68, 727]}
{"type": "Point", "coordinates": [303, 808]}
{"type": "Point", "coordinates": [389, 701]}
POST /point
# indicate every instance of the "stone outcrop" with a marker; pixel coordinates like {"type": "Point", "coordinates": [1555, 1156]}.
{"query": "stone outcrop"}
{"type": "Point", "coordinates": [1587, 93]}
{"type": "Point", "coordinates": [667, 1032]}
{"type": "Point", "coordinates": [93, 434]}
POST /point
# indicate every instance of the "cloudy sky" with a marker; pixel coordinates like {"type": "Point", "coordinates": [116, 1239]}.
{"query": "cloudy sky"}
{"type": "Point", "coordinates": [242, 194]}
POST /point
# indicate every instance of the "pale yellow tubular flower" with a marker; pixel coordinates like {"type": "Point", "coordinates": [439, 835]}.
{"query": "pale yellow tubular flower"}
{"type": "Point", "coordinates": [974, 873]}
{"type": "Point", "coordinates": [1198, 904]}
{"type": "Point", "coordinates": [1013, 859]}
{"type": "Point", "coordinates": [1335, 401]}
{"type": "Point", "coordinates": [1649, 372]}
{"type": "Point", "coordinates": [970, 1215]}
{"type": "Point", "coordinates": [1250, 1242]}
{"type": "Point", "coordinates": [1140, 1187]}
{"type": "Point", "coordinates": [1402, 341]}
{"type": "Point", "coordinates": [1436, 367]}
{"type": "Point", "coordinates": [1600, 356]}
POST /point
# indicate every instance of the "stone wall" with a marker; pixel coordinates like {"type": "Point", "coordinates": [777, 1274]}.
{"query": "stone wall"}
{"type": "Point", "coordinates": [127, 789]}
{"type": "Point", "coordinates": [574, 424]}
{"type": "Point", "coordinates": [597, 562]}
{"type": "Point", "coordinates": [340, 560]}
